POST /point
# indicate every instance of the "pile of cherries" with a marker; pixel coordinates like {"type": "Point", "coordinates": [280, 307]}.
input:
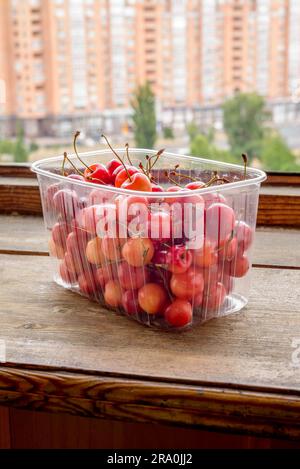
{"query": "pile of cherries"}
{"type": "Point", "coordinates": [158, 281]}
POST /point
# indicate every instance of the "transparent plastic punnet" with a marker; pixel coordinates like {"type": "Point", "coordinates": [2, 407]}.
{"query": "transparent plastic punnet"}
{"type": "Point", "coordinates": [168, 259]}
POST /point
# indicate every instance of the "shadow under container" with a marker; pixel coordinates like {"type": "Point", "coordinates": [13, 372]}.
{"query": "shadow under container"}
{"type": "Point", "coordinates": [166, 259]}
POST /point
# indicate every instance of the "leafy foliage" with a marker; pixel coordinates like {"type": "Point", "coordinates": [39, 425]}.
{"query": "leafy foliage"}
{"type": "Point", "coordinates": [144, 118]}
{"type": "Point", "coordinates": [276, 155]}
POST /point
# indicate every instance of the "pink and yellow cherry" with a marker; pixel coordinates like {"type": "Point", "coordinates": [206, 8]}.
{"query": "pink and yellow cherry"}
{"type": "Point", "coordinates": [213, 198]}
{"type": "Point", "coordinates": [206, 256]}
{"type": "Point", "coordinates": [105, 273]}
{"type": "Point", "coordinates": [195, 185]}
{"type": "Point", "coordinates": [216, 298]}
{"type": "Point", "coordinates": [172, 200]}
{"type": "Point", "coordinates": [160, 226]}
{"type": "Point", "coordinates": [179, 313]}
{"type": "Point", "coordinates": [157, 188]}
{"type": "Point", "coordinates": [94, 253]}
{"type": "Point", "coordinates": [113, 294]}
{"type": "Point", "coordinates": [219, 222]}
{"type": "Point", "coordinates": [137, 182]}
{"type": "Point", "coordinates": [97, 173]}
{"type": "Point", "coordinates": [244, 235]}
{"type": "Point", "coordinates": [138, 251]}
{"type": "Point", "coordinates": [56, 250]}
{"type": "Point", "coordinates": [87, 283]}
{"type": "Point", "coordinates": [152, 298]}
{"type": "Point", "coordinates": [76, 243]}
{"type": "Point", "coordinates": [122, 174]}
{"type": "Point", "coordinates": [76, 177]}
{"type": "Point", "coordinates": [187, 285]}
{"type": "Point", "coordinates": [67, 276]}
{"type": "Point", "coordinates": [131, 278]}
{"type": "Point", "coordinates": [111, 166]}
{"type": "Point", "coordinates": [179, 259]}
{"type": "Point", "coordinates": [130, 302]}
{"type": "Point", "coordinates": [66, 203]}
{"type": "Point", "coordinates": [112, 248]}
{"type": "Point", "coordinates": [60, 232]}
{"type": "Point", "coordinates": [227, 249]}
{"type": "Point", "coordinates": [239, 266]}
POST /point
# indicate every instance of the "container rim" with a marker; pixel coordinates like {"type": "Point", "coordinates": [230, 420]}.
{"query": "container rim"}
{"type": "Point", "coordinates": [260, 175]}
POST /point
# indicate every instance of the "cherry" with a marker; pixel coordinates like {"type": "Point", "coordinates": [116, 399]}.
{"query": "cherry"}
{"type": "Point", "coordinates": [130, 302]}
{"type": "Point", "coordinates": [179, 313]}
{"type": "Point", "coordinates": [157, 188]}
{"type": "Point", "coordinates": [131, 278]}
{"type": "Point", "coordinates": [216, 298]}
{"type": "Point", "coordinates": [187, 284]}
{"type": "Point", "coordinates": [94, 253]}
{"type": "Point", "coordinates": [111, 166]}
{"type": "Point", "coordinates": [60, 232]}
{"type": "Point", "coordinates": [122, 175]}
{"type": "Point", "coordinates": [66, 203]}
{"type": "Point", "coordinates": [206, 256]}
{"type": "Point", "coordinates": [152, 298]}
{"type": "Point", "coordinates": [239, 266]}
{"type": "Point", "coordinates": [66, 276]}
{"type": "Point", "coordinates": [87, 284]}
{"type": "Point", "coordinates": [228, 249]}
{"type": "Point", "coordinates": [160, 256]}
{"type": "Point", "coordinates": [105, 273]}
{"type": "Point", "coordinates": [219, 222]}
{"type": "Point", "coordinates": [138, 182]}
{"type": "Point", "coordinates": [212, 198]}
{"type": "Point", "coordinates": [98, 174]}
{"type": "Point", "coordinates": [175, 199]}
{"type": "Point", "coordinates": [113, 294]}
{"type": "Point", "coordinates": [244, 235]}
{"type": "Point", "coordinates": [138, 251]}
{"type": "Point", "coordinates": [112, 248]}
{"type": "Point", "coordinates": [76, 177]}
{"type": "Point", "coordinates": [56, 250]}
{"type": "Point", "coordinates": [195, 185]}
{"type": "Point", "coordinates": [178, 259]}
{"type": "Point", "coordinates": [160, 226]}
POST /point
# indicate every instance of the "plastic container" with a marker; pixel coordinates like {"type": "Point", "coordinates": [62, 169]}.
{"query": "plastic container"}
{"type": "Point", "coordinates": [165, 259]}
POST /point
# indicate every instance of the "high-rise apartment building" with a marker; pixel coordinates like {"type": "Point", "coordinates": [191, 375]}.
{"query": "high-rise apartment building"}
{"type": "Point", "coordinates": [66, 60]}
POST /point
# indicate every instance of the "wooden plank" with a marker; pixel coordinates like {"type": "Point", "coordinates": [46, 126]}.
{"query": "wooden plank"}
{"type": "Point", "coordinates": [44, 325]}
{"type": "Point", "coordinates": [5, 442]}
{"type": "Point", "coordinates": [279, 210]}
{"type": "Point", "coordinates": [26, 234]}
{"type": "Point", "coordinates": [20, 195]}
{"type": "Point", "coordinates": [38, 430]}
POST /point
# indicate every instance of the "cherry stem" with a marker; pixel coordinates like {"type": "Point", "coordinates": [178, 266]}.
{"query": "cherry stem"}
{"type": "Point", "coordinates": [143, 169]}
{"type": "Point", "coordinates": [63, 164]}
{"type": "Point", "coordinates": [76, 135]}
{"type": "Point", "coordinates": [174, 173]}
{"type": "Point", "coordinates": [245, 159]}
{"type": "Point", "coordinates": [116, 154]}
{"type": "Point", "coordinates": [72, 164]}
{"type": "Point", "coordinates": [127, 154]}
{"type": "Point", "coordinates": [157, 155]}
{"type": "Point", "coordinates": [172, 180]}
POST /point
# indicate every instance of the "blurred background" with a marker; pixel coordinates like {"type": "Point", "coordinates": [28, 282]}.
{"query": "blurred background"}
{"type": "Point", "coordinates": [211, 78]}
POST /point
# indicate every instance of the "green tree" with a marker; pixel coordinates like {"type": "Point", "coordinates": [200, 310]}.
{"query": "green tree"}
{"type": "Point", "coordinates": [276, 155]}
{"type": "Point", "coordinates": [144, 118]}
{"type": "Point", "coordinates": [245, 118]}
{"type": "Point", "coordinates": [20, 150]}
{"type": "Point", "coordinates": [168, 133]}
{"type": "Point", "coordinates": [201, 146]}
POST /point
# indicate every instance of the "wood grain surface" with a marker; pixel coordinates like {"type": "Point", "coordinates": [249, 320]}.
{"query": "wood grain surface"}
{"type": "Point", "coordinates": [46, 326]}
{"type": "Point", "coordinates": [27, 235]}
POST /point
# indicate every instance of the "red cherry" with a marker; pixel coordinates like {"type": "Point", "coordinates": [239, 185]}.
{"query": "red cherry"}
{"type": "Point", "coordinates": [122, 174]}
{"type": "Point", "coordinates": [179, 313]}
{"type": "Point", "coordinates": [216, 298]}
{"type": "Point", "coordinates": [172, 200]}
{"type": "Point", "coordinates": [156, 188]}
{"type": "Point", "coordinates": [60, 232]}
{"type": "Point", "coordinates": [130, 302]}
{"type": "Point", "coordinates": [111, 166]}
{"type": "Point", "coordinates": [179, 259]}
{"type": "Point", "coordinates": [131, 278]}
{"type": "Point", "coordinates": [87, 284]}
{"type": "Point", "coordinates": [244, 235]}
{"type": "Point", "coordinates": [137, 182]}
{"type": "Point", "coordinates": [213, 198]}
{"type": "Point", "coordinates": [219, 221]}
{"type": "Point", "coordinates": [195, 185]}
{"type": "Point", "coordinates": [228, 249]}
{"type": "Point", "coordinates": [98, 174]}
{"type": "Point", "coordinates": [239, 266]}
{"type": "Point", "coordinates": [188, 284]}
